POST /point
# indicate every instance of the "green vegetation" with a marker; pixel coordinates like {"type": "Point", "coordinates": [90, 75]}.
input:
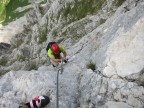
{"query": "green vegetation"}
{"type": "Point", "coordinates": [3, 61]}
{"type": "Point", "coordinates": [91, 66]}
{"type": "Point", "coordinates": [81, 9]}
{"type": "Point", "coordinates": [41, 8]}
{"type": "Point", "coordinates": [32, 65]}
{"type": "Point", "coordinates": [102, 21]}
{"type": "Point", "coordinates": [42, 35]}
{"type": "Point", "coordinates": [3, 4]}
{"type": "Point", "coordinates": [2, 72]}
{"type": "Point", "coordinates": [142, 84]}
{"type": "Point", "coordinates": [43, 2]}
{"type": "Point", "coordinates": [16, 42]}
{"type": "Point", "coordinates": [16, 67]}
{"type": "Point", "coordinates": [118, 2]}
{"type": "Point", "coordinates": [11, 7]}
{"type": "Point", "coordinates": [43, 32]}
{"type": "Point", "coordinates": [21, 57]}
{"type": "Point", "coordinates": [76, 31]}
{"type": "Point", "coordinates": [2, 13]}
{"type": "Point", "coordinates": [54, 33]}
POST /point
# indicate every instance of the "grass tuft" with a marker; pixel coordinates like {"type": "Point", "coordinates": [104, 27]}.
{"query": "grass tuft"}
{"type": "Point", "coordinates": [15, 43]}
{"type": "Point", "coordinates": [118, 2]}
{"type": "Point", "coordinates": [81, 9]}
{"type": "Point", "coordinates": [32, 66]}
{"type": "Point", "coordinates": [102, 21]}
{"type": "Point", "coordinates": [21, 57]}
{"type": "Point", "coordinates": [91, 66]}
{"type": "Point", "coordinates": [3, 61]}
{"type": "Point", "coordinates": [43, 31]}
{"type": "Point", "coordinates": [2, 72]}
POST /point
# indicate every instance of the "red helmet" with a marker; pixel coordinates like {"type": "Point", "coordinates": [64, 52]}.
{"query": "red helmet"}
{"type": "Point", "coordinates": [55, 48]}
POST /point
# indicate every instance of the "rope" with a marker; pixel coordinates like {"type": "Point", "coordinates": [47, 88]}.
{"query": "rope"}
{"type": "Point", "coordinates": [57, 93]}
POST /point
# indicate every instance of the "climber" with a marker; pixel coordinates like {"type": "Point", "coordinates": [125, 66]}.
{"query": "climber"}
{"type": "Point", "coordinates": [38, 102]}
{"type": "Point", "coordinates": [53, 51]}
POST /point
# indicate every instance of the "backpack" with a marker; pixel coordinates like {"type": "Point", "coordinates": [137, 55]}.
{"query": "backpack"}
{"type": "Point", "coordinates": [49, 45]}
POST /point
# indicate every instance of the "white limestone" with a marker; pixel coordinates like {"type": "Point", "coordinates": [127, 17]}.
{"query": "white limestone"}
{"type": "Point", "coordinates": [115, 48]}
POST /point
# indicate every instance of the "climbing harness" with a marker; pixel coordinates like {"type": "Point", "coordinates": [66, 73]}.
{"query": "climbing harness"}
{"type": "Point", "coordinates": [57, 93]}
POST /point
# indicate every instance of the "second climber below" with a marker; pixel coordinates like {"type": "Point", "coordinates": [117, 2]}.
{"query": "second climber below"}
{"type": "Point", "coordinates": [54, 51]}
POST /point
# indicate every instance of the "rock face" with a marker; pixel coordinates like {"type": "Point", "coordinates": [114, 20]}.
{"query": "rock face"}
{"type": "Point", "coordinates": [4, 48]}
{"type": "Point", "coordinates": [124, 54]}
{"type": "Point", "coordinates": [43, 81]}
{"type": "Point", "coordinates": [113, 46]}
{"type": "Point", "coordinates": [13, 28]}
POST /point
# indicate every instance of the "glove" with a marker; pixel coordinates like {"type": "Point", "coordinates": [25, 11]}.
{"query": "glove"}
{"type": "Point", "coordinates": [65, 60]}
